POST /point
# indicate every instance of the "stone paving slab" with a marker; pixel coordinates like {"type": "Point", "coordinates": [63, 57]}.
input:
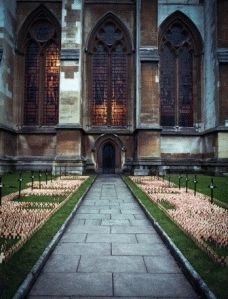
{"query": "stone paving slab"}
{"type": "Point", "coordinates": [143, 222]}
{"type": "Point", "coordinates": [89, 229]}
{"type": "Point", "coordinates": [157, 285]}
{"type": "Point", "coordinates": [151, 238]}
{"type": "Point", "coordinates": [93, 216]}
{"type": "Point", "coordinates": [101, 264]}
{"type": "Point", "coordinates": [139, 249]}
{"type": "Point", "coordinates": [111, 250]}
{"type": "Point", "coordinates": [111, 238]}
{"type": "Point", "coordinates": [78, 238]}
{"type": "Point", "coordinates": [161, 264]}
{"type": "Point", "coordinates": [134, 229]}
{"type": "Point", "coordinates": [58, 263]}
{"type": "Point", "coordinates": [122, 216]}
{"type": "Point", "coordinates": [83, 249]}
{"type": "Point", "coordinates": [73, 284]}
{"type": "Point", "coordinates": [115, 222]}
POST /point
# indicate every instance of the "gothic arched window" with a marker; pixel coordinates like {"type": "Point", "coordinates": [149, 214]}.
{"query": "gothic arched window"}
{"type": "Point", "coordinates": [41, 87]}
{"type": "Point", "coordinates": [108, 73]}
{"type": "Point", "coordinates": [179, 74]}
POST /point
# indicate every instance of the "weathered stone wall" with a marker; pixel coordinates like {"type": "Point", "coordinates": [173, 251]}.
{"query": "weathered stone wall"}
{"type": "Point", "coordinates": [148, 23]}
{"type": "Point", "coordinates": [210, 72]}
{"type": "Point", "coordinates": [223, 145]}
{"type": "Point", "coordinates": [36, 145]}
{"type": "Point", "coordinates": [7, 41]}
{"type": "Point", "coordinates": [181, 147]}
{"type": "Point", "coordinates": [149, 144]}
{"type": "Point", "coordinates": [68, 143]}
{"type": "Point", "coordinates": [150, 110]}
{"type": "Point", "coordinates": [148, 104]}
{"type": "Point", "coordinates": [70, 75]}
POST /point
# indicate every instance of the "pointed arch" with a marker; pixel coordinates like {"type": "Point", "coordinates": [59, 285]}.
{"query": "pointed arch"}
{"type": "Point", "coordinates": [109, 50]}
{"type": "Point", "coordinates": [180, 50]}
{"type": "Point", "coordinates": [39, 43]}
{"type": "Point", "coordinates": [110, 18]}
{"type": "Point", "coordinates": [41, 14]}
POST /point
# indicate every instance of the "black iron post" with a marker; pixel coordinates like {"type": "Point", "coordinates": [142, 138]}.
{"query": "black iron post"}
{"type": "Point", "coordinates": [186, 183]}
{"type": "Point", "coordinates": [212, 187]}
{"type": "Point", "coordinates": [195, 183]}
{"type": "Point", "coordinates": [65, 170]}
{"type": "Point", "coordinates": [60, 171]}
{"type": "Point", "coordinates": [1, 186]}
{"type": "Point", "coordinates": [179, 181]}
{"type": "Point", "coordinates": [32, 177]}
{"type": "Point", "coordinates": [51, 175]}
{"type": "Point", "coordinates": [169, 180]}
{"type": "Point", "coordinates": [40, 175]}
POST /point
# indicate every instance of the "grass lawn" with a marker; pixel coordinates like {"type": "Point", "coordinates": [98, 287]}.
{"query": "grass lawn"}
{"type": "Point", "coordinates": [214, 275]}
{"type": "Point", "coordinates": [11, 183]}
{"type": "Point", "coordinates": [15, 270]}
{"type": "Point", "coordinates": [221, 183]}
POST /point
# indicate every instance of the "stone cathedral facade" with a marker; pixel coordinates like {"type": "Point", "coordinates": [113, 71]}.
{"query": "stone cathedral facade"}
{"type": "Point", "coordinates": [135, 86]}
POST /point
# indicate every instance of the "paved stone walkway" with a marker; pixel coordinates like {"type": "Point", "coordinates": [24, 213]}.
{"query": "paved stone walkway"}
{"type": "Point", "coordinates": [110, 249]}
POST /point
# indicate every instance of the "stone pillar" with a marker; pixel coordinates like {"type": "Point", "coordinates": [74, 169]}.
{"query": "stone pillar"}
{"type": "Point", "coordinates": [69, 109]}
{"type": "Point", "coordinates": [210, 115]}
{"type": "Point", "coordinates": [68, 150]}
{"type": "Point", "coordinates": [148, 104]}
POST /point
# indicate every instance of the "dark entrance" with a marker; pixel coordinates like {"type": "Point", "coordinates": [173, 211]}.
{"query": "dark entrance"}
{"type": "Point", "coordinates": [108, 158]}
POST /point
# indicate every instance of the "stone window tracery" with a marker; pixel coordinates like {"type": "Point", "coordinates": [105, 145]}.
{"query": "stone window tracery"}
{"type": "Point", "coordinates": [177, 75]}
{"type": "Point", "coordinates": [109, 76]}
{"type": "Point", "coordinates": [41, 89]}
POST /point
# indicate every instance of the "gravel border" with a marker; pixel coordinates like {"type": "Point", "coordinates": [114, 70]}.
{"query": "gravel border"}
{"type": "Point", "coordinates": [27, 284]}
{"type": "Point", "coordinates": [193, 277]}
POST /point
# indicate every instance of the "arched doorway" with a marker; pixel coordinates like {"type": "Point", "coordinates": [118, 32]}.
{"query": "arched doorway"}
{"type": "Point", "coordinates": [108, 158]}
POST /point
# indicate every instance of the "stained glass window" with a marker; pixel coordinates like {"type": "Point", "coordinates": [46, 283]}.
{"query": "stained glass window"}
{"type": "Point", "coordinates": [41, 94]}
{"type": "Point", "coordinates": [176, 76]}
{"type": "Point", "coordinates": [109, 64]}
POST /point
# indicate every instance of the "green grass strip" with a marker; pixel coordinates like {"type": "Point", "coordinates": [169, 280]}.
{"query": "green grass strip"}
{"type": "Point", "coordinates": [16, 269]}
{"type": "Point", "coordinates": [214, 275]}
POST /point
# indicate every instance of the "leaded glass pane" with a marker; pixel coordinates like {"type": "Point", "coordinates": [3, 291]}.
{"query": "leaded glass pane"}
{"type": "Point", "coordinates": [185, 88]}
{"type": "Point", "coordinates": [51, 84]}
{"type": "Point", "coordinates": [176, 77]}
{"type": "Point", "coordinates": [119, 87]}
{"type": "Point", "coordinates": [109, 77]}
{"type": "Point", "coordinates": [168, 86]}
{"type": "Point", "coordinates": [32, 69]}
{"type": "Point", "coordinates": [100, 87]}
{"type": "Point", "coordinates": [41, 75]}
